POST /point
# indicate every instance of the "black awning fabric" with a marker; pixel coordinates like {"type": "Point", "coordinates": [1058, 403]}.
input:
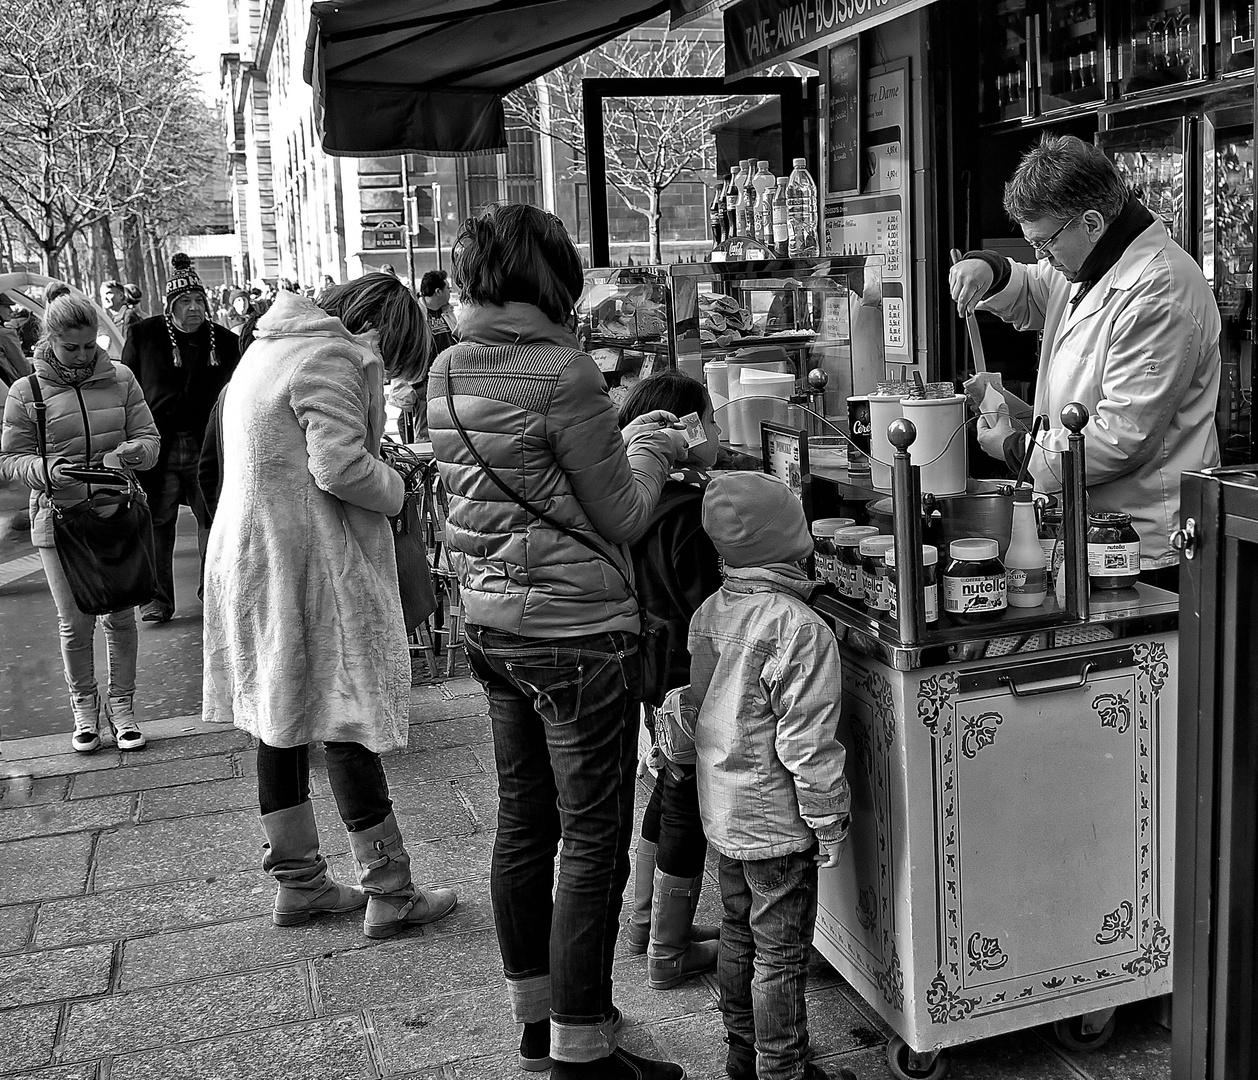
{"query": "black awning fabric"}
{"type": "Point", "coordinates": [427, 76]}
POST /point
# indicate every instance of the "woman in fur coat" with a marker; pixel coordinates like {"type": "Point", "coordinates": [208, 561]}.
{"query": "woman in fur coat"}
{"type": "Point", "coordinates": [303, 620]}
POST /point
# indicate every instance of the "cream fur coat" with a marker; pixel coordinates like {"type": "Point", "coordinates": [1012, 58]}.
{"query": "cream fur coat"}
{"type": "Point", "coordinates": [303, 621]}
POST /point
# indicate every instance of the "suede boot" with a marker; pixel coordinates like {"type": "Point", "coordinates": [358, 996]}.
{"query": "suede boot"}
{"type": "Point", "coordinates": [384, 872]}
{"type": "Point", "coordinates": [740, 1059]}
{"type": "Point", "coordinates": [86, 709]}
{"type": "Point", "coordinates": [620, 1065]}
{"type": "Point", "coordinates": [673, 956]}
{"type": "Point", "coordinates": [639, 921]}
{"type": "Point", "coordinates": [306, 887]}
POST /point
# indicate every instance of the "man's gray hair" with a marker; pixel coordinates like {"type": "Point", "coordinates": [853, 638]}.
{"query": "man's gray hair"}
{"type": "Point", "coordinates": [1061, 178]}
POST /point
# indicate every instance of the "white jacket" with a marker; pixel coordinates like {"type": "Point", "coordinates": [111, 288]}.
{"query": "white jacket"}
{"type": "Point", "coordinates": [1141, 351]}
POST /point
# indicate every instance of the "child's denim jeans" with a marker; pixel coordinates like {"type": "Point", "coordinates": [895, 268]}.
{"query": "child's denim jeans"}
{"type": "Point", "coordinates": [770, 913]}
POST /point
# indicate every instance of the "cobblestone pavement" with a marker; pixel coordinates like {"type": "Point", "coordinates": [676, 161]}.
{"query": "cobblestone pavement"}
{"type": "Point", "coordinates": [136, 943]}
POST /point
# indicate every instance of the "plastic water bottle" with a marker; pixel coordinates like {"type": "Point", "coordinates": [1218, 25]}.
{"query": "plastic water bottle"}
{"type": "Point", "coordinates": [764, 182]}
{"type": "Point", "coordinates": [781, 231]}
{"type": "Point", "coordinates": [801, 212]}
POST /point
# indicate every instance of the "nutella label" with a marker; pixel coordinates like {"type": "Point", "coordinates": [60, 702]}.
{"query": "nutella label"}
{"type": "Point", "coordinates": [1111, 560]}
{"type": "Point", "coordinates": [877, 593]}
{"type": "Point", "coordinates": [851, 581]}
{"type": "Point", "coordinates": [969, 594]}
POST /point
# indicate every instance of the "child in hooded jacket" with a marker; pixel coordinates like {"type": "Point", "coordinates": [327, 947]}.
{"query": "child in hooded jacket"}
{"type": "Point", "coordinates": [765, 679]}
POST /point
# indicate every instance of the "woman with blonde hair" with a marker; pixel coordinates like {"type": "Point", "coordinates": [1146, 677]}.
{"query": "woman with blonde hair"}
{"type": "Point", "coordinates": [96, 417]}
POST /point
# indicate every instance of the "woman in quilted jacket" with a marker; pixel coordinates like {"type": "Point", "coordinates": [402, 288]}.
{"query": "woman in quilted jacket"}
{"type": "Point", "coordinates": [519, 414]}
{"type": "Point", "coordinates": [97, 416]}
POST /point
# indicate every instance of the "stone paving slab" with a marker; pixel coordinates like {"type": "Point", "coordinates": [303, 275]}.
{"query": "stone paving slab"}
{"type": "Point", "coordinates": [434, 1030]}
{"type": "Point", "coordinates": [129, 913]}
{"type": "Point", "coordinates": [640, 1004]}
{"type": "Point", "coordinates": [245, 945]}
{"type": "Point", "coordinates": [15, 926]}
{"type": "Point", "coordinates": [57, 765]}
{"type": "Point", "coordinates": [475, 910]}
{"type": "Point", "coordinates": [425, 810]}
{"type": "Point", "coordinates": [1139, 1047]}
{"type": "Point", "coordinates": [36, 977]}
{"type": "Point", "coordinates": [334, 1048]}
{"type": "Point", "coordinates": [408, 969]}
{"type": "Point", "coordinates": [48, 819]}
{"type": "Point", "coordinates": [189, 1012]}
{"type": "Point", "coordinates": [456, 731]}
{"type": "Point", "coordinates": [179, 849]}
{"type": "Point", "coordinates": [147, 777]}
{"type": "Point", "coordinates": [85, 1071]}
{"type": "Point", "coordinates": [191, 800]}
{"type": "Point", "coordinates": [44, 866]}
{"type": "Point", "coordinates": [27, 1037]}
{"type": "Point", "coordinates": [19, 790]}
{"type": "Point", "coordinates": [432, 765]}
{"type": "Point", "coordinates": [442, 861]}
{"type": "Point", "coordinates": [481, 796]}
{"type": "Point", "coordinates": [436, 710]}
{"type": "Point", "coordinates": [221, 742]}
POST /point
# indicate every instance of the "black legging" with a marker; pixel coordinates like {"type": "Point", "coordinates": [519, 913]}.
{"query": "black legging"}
{"type": "Point", "coordinates": [671, 822]}
{"type": "Point", "coordinates": [355, 774]}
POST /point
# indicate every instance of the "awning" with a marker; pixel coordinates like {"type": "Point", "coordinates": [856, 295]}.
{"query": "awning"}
{"type": "Point", "coordinates": [427, 76]}
{"type": "Point", "coordinates": [687, 11]}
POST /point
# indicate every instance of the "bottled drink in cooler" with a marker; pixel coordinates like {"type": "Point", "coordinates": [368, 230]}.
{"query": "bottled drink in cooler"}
{"type": "Point", "coordinates": [763, 182]}
{"type": "Point", "coordinates": [731, 202]}
{"type": "Point", "coordinates": [716, 214]}
{"type": "Point", "coordinates": [765, 216]}
{"type": "Point", "coordinates": [746, 201]}
{"type": "Point", "coordinates": [781, 228]}
{"type": "Point", "coordinates": [801, 212]}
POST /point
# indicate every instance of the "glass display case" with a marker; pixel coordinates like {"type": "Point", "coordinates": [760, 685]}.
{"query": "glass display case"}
{"type": "Point", "coordinates": [1005, 82]}
{"type": "Point", "coordinates": [624, 321]}
{"type": "Point", "coordinates": [1159, 44]}
{"type": "Point", "coordinates": [1151, 159]}
{"type": "Point", "coordinates": [1071, 55]}
{"type": "Point", "coordinates": [1234, 42]}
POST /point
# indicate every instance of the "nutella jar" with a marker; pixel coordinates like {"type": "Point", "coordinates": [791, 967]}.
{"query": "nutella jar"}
{"type": "Point", "coordinates": [975, 586]}
{"type": "Point", "coordinates": [930, 582]}
{"type": "Point", "coordinates": [1053, 541]}
{"type": "Point", "coordinates": [1113, 551]}
{"type": "Point", "coordinates": [873, 564]}
{"type": "Point", "coordinates": [850, 578]}
{"type": "Point", "coordinates": [823, 530]}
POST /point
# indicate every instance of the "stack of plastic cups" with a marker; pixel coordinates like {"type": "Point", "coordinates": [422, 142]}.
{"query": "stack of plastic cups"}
{"type": "Point", "coordinates": [716, 376]}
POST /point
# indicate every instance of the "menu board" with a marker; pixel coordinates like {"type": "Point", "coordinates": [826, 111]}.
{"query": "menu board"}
{"type": "Point", "coordinates": [845, 115]}
{"type": "Point", "coordinates": [877, 219]}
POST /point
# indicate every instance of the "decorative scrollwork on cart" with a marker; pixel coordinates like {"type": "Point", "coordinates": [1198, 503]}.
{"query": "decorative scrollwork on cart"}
{"type": "Point", "coordinates": [933, 696]}
{"type": "Point", "coordinates": [891, 981]}
{"type": "Point", "coordinates": [985, 954]}
{"type": "Point", "coordinates": [1116, 925]}
{"type": "Point", "coordinates": [945, 1004]}
{"type": "Point", "coordinates": [1114, 711]}
{"type": "Point", "coordinates": [1151, 659]}
{"type": "Point", "coordinates": [878, 687]}
{"type": "Point", "coordinates": [979, 731]}
{"type": "Point", "coordinates": [1155, 955]}
{"type": "Point", "coordinates": [867, 908]}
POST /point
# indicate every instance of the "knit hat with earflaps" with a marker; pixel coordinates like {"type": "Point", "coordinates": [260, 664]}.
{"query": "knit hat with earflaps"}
{"type": "Point", "coordinates": [185, 280]}
{"type": "Point", "coordinates": [755, 520]}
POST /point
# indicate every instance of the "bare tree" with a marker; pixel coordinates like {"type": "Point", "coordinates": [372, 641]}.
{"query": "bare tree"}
{"type": "Point", "coordinates": [650, 142]}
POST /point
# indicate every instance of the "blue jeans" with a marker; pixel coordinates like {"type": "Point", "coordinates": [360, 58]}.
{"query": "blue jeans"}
{"type": "Point", "coordinates": [178, 484]}
{"type": "Point", "coordinates": [564, 714]}
{"type": "Point", "coordinates": [762, 968]}
{"type": "Point", "coordinates": [79, 630]}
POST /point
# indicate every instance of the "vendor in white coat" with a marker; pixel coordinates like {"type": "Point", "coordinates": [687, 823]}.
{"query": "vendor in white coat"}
{"type": "Point", "coordinates": [1130, 329]}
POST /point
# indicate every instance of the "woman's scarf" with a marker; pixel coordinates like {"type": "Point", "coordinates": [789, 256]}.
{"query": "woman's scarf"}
{"type": "Point", "coordinates": [69, 374]}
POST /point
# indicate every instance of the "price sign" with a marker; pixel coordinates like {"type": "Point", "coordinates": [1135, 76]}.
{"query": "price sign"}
{"type": "Point", "coordinates": [845, 109]}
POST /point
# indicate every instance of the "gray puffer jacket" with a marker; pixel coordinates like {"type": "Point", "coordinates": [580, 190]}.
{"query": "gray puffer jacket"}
{"type": "Point", "coordinates": [537, 410]}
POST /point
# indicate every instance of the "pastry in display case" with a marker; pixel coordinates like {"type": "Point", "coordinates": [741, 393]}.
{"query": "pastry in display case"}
{"type": "Point", "coordinates": [623, 322]}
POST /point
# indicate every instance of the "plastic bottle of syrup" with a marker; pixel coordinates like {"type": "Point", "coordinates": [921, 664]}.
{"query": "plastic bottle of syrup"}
{"type": "Point", "coordinates": [764, 182]}
{"type": "Point", "coordinates": [781, 227]}
{"type": "Point", "coordinates": [801, 212]}
{"type": "Point", "coordinates": [1024, 561]}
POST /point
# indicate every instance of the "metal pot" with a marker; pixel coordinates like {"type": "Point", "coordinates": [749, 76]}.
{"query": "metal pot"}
{"type": "Point", "coordinates": [987, 513]}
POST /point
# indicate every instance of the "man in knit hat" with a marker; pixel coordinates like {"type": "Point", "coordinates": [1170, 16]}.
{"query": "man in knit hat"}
{"type": "Point", "coordinates": [765, 679]}
{"type": "Point", "coordinates": [182, 361]}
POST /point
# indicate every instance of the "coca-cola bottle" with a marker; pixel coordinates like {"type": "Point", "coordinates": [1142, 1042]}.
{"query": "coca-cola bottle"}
{"type": "Point", "coordinates": [716, 214]}
{"type": "Point", "coordinates": [731, 202]}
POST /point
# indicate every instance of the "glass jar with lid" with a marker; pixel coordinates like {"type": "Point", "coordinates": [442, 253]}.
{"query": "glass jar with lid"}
{"type": "Point", "coordinates": [850, 578]}
{"type": "Point", "coordinates": [930, 582]}
{"type": "Point", "coordinates": [823, 530]}
{"type": "Point", "coordinates": [1113, 551]}
{"type": "Point", "coordinates": [873, 563]}
{"type": "Point", "coordinates": [975, 585]}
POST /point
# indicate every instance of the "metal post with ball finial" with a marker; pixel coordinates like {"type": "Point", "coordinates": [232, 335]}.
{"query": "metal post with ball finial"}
{"type": "Point", "coordinates": [906, 503]}
{"type": "Point", "coordinates": [1074, 418]}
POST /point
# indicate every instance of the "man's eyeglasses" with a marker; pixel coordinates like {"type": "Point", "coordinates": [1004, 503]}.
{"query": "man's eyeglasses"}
{"type": "Point", "coordinates": [1040, 247]}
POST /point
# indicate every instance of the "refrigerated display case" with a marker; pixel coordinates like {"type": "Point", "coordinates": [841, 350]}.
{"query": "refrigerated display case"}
{"type": "Point", "coordinates": [1151, 158]}
{"type": "Point", "coordinates": [1071, 54]}
{"type": "Point", "coordinates": [1234, 39]}
{"type": "Point", "coordinates": [1006, 80]}
{"type": "Point", "coordinates": [1159, 44]}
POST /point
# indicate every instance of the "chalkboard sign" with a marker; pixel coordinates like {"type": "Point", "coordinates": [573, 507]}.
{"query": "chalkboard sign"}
{"type": "Point", "coordinates": [846, 112]}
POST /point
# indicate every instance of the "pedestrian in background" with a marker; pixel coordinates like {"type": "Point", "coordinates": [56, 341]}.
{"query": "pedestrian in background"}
{"type": "Point", "coordinates": [765, 680]}
{"type": "Point", "coordinates": [303, 618]}
{"type": "Point", "coordinates": [519, 412]}
{"type": "Point", "coordinates": [183, 361]}
{"type": "Point", "coordinates": [96, 416]}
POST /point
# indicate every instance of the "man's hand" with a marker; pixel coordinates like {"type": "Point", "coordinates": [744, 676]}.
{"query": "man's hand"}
{"type": "Point", "coordinates": [829, 853]}
{"type": "Point", "coordinates": [968, 282]}
{"type": "Point", "coordinates": [993, 431]}
{"type": "Point", "coordinates": [975, 387]}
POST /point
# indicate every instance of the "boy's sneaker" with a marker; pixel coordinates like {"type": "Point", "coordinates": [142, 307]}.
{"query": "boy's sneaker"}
{"type": "Point", "coordinates": [620, 1065]}
{"type": "Point", "coordinates": [86, 708]}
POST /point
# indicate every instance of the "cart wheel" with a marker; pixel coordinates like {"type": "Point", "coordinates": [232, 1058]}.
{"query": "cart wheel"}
{"type": "Point", "coordinates": [907, 1065]}
{"type": "Point", "coordinates": [1071, 1035]}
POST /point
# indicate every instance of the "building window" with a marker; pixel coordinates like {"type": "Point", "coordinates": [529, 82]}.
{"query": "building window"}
{"type": "Point", "coordinates": [521, 178]}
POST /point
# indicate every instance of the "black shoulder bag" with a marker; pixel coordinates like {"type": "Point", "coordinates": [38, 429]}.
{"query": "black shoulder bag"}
{"type": "Point", "coordinates": [654, 637]}
{"type": "Point", "coordinates": [105, 542]}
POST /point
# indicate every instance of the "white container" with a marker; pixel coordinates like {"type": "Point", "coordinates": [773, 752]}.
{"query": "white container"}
{"type": "Point", "coordinates": [760, 395]}
{"type": "Point", "coordinates": [940, 446]}
{"type": "Point", "coordinates": [716, 378]}
{"type": "Point", "coordinates": [883, 408]}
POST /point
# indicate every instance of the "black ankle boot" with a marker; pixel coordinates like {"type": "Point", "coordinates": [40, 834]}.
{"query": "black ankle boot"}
{"type": "Point", "coordinates": [740, 1060]}
{"type": "Point", "coordinates": [621, 1065]}
{"type": "Point", "coordinates": [535, 1046]}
